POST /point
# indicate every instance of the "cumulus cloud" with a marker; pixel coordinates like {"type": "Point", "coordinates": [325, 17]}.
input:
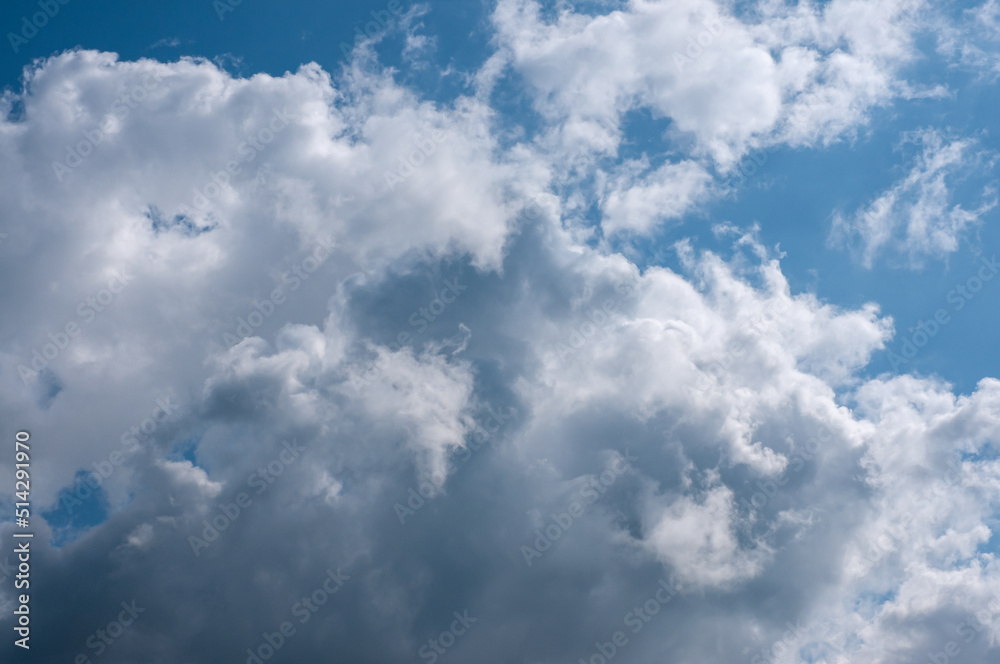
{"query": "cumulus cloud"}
{"type": "Point", "coordinates": [636, 203]}
{"type": "Point", "coordinates": [799, 73]}
{"type": "Point", "coordinates": [397, 362]}
{"type": "Point", "coordinates": [726, 82]}
{"type": "Point", "coordinates": [697, 539]}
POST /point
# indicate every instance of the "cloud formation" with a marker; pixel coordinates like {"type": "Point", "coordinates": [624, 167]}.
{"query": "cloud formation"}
{"type": "Point", "coordinates": [916, 216]}
{"type": "Point", "coordinates": [360, 298]}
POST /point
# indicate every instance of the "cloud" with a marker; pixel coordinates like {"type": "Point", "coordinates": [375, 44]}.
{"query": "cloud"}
{"type": "Point", "coordinates": [399, 275]}
{"type": "Point", "coordinates": [973, 41]}
{"type": "Point", "coordinates": [916, 216]}
{"type": "Point", "coordinates": [697, 539]}
{"type": "Point", "coordinates": [637, 202]}
{"type": "Point", "coordinates": [799, 74]}
{"type": "Point", "coordinates": [722, 83]}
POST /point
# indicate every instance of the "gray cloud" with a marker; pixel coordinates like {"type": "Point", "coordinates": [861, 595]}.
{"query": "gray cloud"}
{"type": "Point", "coordinates": [761, 466]}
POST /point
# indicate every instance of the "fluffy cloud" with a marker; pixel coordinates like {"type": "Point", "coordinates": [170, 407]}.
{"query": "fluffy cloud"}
{"type": "Point", "coordinates": [725, 81]}
{"type": "Point", "coordinates": [393, 354]}
{"type": "Point", "coordinates": [802, 73]}
{"type": "Point", "coordinates": [638, 203]}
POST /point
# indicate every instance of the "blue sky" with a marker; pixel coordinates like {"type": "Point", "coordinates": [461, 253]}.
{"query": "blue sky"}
{"type": "Point", "coordinates": [469, 264]}
{"type": "Point", "coordinates": [793, 197]}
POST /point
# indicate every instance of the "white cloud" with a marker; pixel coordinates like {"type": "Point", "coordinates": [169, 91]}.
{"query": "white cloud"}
{"type": "Point", "coordinates": [801, 74]}
{"type": "Point", "coordinates": [916, 216]}
{"type": "Point", "coordinates": [973, 42]}
{"type": "Point", "coordinates": [636, 202]}
{"type": "Point", "coordinates": [696, 538]}
{"type": "Point", "coordinates": [766, 464]}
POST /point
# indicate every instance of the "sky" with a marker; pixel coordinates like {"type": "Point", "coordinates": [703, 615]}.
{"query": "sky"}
{"type": "Point", "coordinates": [506, 331]}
